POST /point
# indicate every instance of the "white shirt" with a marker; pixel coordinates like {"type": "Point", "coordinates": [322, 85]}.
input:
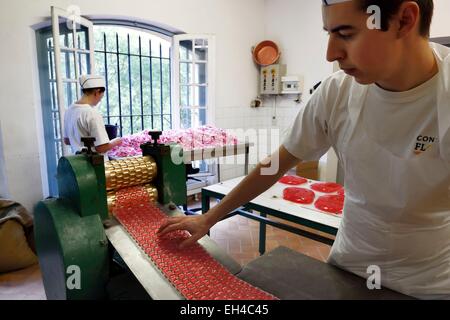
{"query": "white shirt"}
{"type": "Point", "coordinates": [82, 120]}
{"type": "Point", "coordinates": [397, 207]}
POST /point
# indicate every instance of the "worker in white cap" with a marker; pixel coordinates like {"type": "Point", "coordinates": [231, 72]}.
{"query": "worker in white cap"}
{"type": "Point", "coordinates": [386, 114]}
{"type": "Point", "coordinates": [83, 120]}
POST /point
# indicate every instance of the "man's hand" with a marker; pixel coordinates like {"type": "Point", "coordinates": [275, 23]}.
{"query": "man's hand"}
{"type": "Point", "coordinates": [197, 226]}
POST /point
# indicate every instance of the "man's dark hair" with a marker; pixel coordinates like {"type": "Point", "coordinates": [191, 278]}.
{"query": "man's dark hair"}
{"type": "Point", "coordinates": [390, 7]}
{"type": "Point", "coordinates": [92, 90]}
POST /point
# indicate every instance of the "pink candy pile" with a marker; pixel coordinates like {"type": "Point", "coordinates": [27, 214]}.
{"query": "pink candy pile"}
{"type": "Point", "coordinates": [189, 139]}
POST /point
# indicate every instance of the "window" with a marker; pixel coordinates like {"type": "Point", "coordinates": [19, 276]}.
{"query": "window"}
{"type": "Point", "coordinates": [64, 52]}
{"type": "Point", "coordinates": [136, 65]}
{"type": "Point", "coordinates": [194, 70]}
{"type": "Point", "coordinates": [155, 80]}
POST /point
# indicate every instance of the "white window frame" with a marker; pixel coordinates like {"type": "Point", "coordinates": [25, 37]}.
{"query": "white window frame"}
{"type": "Point", "coordinates": [210, 82]}
{"type": "Point", "coordinates": [74, 20]}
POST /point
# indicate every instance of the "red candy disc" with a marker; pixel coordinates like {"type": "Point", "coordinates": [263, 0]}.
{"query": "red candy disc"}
{"type": "Point", "coordinates": [331, 203]}
{"type": "Point", "coordinates": [299, 195]}
{"type": "Point", "coordinates": [326, 187]}
{"type": "Point", "coordinates": [293, 180]}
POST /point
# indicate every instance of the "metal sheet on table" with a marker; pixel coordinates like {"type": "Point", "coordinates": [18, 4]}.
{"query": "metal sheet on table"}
{"type": "Point", "coordinates": [272, 199]}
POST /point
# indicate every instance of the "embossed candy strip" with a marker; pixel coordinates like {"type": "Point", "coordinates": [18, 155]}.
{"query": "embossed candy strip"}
{"type": "Point", "coordinates": [192, 271]}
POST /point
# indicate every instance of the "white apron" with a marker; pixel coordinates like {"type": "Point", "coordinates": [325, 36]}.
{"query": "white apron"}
{"type": "Point", "coordinates": [397, 209]}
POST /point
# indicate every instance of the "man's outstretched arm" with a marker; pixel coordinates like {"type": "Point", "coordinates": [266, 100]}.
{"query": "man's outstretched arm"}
{"type": "Point", "coordinates": [265, 175]}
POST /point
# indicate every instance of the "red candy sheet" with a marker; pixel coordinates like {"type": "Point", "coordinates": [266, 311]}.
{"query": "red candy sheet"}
{"type": "Point", "coordinates": [293, 180]}
{"type": "Point", "coordinates": [330, 203]}
{"type": "Point", "coordinates": [299, 195]}
{"type": "Point", "coordinates": [326, 187]}
{"type": "Point", "coordinates": [192, 271]}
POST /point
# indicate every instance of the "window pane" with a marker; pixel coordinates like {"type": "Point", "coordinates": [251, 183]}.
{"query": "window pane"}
{"type": "Point", "coordinates": [145, 46]}
{"type": "Point", "coordinates": [123, 42]}
{"type": "Point", "coordinates": [51, 63]}
{"type": "Point", "coordinates": [166, 86]}
{"type": "Point", "coordinates": [186, 73]}
{"type": "Point", "coordinates": [200, 96]}
{"type": "Point", "coordinates": [100, 63]}
{"type": "Point", "coordinates": [67, 65]}
{"type": "Point", "coordinates": [84, 66]}
{"type": "Point", "coordinates": [146, 87]}
{"type": "Point", "coordinates": [55, 119]}
{"type": "Point", "coordinates": [69, 39]}
{"type": "Point", "coordinates": [98, 40]}
{"type": "Point", "coordinates": [137, 124]}
{"type": "Point", "coordinates": [156, 48]}
{"type": "Point", "coordinates": [82, 38]}
{"type": "Point", "coordinates": [201, 53]}
{"type": "Point", "coordinates": [156, 86]}
{"type": "Point", "coordinates": [134, 43]}
{"type": "Point", "coordinates": [126, 126]}
{"type": "Point", "coordinates": [62, 39]}
{"type": "Point", "coordinates": [148, 122]}
{"type": "Point", "coordinates": [165, 50]}
{"type": "Point", "coordinates": [200, 73]}
{"type": "Point", "coordinates": [111, 41]}
{"type": "Point", "coordinates": [186, 50]}
{"type": "Point", "coordinates": [54, 101]}
{"type": "Point", "coordinates": [114, 120]}
{"type": "Point", "coordinates": [157, 125]}
{"type": "Point", "coordinates": [58, 149]}
{"type": "Point", "coordinates": [135, 85]}
{"type": "Point", "coordinates": [102, 107]}
{"type": "Point", "coordinates": [192, 118]}
{"type": "Point", "coordinates": [70, 93]}
{"type": "Point", "coordinates": [187, 97]}
{"type": "Point", "coordinates": [124, 85]}
{"type": "Point", "coordinates": [186, 121]}
{"type": "Point", "coordinates": [167, 122]}
{"type": "Point", "coordinates": [201, 42]}
{"type": "Point", "coordinates": [202, 117]}
{"type": "Point", "coordinates": [113, 87]}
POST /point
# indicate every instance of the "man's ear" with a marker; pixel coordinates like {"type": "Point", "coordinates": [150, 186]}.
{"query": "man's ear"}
{"type": "Point", "coordinates": [408, 18]}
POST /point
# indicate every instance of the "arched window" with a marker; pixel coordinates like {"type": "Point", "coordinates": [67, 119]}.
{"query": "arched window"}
{"type": "Point", "coordinates": [137, 67]}
{"type": "Point", "coordinates": [137, 61]}
{"type": "Point", "coordinates": [136, 64]}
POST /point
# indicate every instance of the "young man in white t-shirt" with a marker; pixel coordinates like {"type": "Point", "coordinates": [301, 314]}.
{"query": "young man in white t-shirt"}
{"type": "Point", "coordinates": [387, 116]}
{"type": "Point", "coordinates": [83, 120]}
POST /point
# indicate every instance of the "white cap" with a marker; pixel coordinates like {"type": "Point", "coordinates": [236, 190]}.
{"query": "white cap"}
{"type": "Point", "coordinates": [90, 81]}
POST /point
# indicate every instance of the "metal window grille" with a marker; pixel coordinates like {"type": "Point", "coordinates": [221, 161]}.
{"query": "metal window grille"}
{"type": "Point", "coordinates": [138, 77]}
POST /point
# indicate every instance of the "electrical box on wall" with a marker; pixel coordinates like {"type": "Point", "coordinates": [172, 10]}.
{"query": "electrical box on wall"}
{"type": "Point", "coordinates": [270, 79]}
{"type": "Point", "coordinates": [291, 85]}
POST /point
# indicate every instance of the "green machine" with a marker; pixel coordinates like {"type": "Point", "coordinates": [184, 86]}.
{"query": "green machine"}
{"type": "Point", "coordinates": [73, 249]}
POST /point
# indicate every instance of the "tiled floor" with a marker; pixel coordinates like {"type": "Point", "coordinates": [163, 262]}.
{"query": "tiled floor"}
{"type": "Point", "coordinates": [25, 284]}
{"type": "Point", "coordinates": [237, 235]}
